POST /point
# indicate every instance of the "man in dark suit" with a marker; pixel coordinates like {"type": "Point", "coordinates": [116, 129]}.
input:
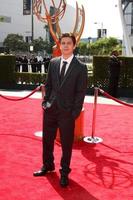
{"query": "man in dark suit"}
{"type": "Point", "coordinates": [114, 73]}
{"type": "Point", "coordinates": [65, 91]}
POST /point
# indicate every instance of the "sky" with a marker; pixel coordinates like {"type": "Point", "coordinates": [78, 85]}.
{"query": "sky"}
{"type": "Point", "coordinates": [100, 13]}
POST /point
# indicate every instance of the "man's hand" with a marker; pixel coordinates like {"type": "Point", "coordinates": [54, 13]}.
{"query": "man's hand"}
{"type": "Point", "coordinates": [46, 105]}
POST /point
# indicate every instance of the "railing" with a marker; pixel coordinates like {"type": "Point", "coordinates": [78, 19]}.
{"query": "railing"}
{"type": "Point", "coordinates": [39, 67]}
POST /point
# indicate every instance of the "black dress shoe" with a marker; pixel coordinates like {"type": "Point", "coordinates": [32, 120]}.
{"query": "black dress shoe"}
{"type": "Point", "coordinates": [64, 181]}
{"type": "Point", "coordinates": [43, 171]}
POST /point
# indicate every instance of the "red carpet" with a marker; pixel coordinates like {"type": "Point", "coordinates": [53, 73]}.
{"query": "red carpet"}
{"type": "Point", "coordinates": [99, 172]}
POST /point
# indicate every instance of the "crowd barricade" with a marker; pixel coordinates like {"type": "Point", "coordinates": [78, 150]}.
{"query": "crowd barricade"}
{"type": "Point", "coordinates": [41, 87]}
{"type": "Point", "coordinates": [32, 67]}
{"type": "Point", "coordinates": [88, 139]}
{"type": "Point", "coordinates": [93, 138]}
{"type": "Point", "coordinates": [78, 122]}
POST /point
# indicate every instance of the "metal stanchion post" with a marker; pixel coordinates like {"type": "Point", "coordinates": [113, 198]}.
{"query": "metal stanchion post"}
{"type": "Point", "coordinates": [92, 139]}
{"type": "Point", "coordinates": [39, 133]}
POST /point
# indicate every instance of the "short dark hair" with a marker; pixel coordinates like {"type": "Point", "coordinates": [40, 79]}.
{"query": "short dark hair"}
{"type": "Point", "coordinates": [70, 35]}
{"type": "Point", "coordinates": [114, 52]}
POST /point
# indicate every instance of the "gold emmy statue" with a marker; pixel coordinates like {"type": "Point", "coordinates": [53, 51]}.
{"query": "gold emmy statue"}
{"type": "Point", "coordinates": [43, 14]}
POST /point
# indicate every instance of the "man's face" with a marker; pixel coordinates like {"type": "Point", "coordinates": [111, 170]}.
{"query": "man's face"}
{"type": "Point", "coordinates": [67, 46]}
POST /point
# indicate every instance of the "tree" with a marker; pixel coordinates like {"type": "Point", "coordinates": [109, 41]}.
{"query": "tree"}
{"type": "Point", "coordinates": [15, 42]}
{"type": "Point", "coordinates": [41, 45]}
{"type": "Point", "coordinates": [82, 48]}
{"type": "Point", "coordinates": [104, 46]}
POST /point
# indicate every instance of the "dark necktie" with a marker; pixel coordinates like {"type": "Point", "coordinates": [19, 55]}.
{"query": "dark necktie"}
{"type": "Point", "coordinates": [63, 71]}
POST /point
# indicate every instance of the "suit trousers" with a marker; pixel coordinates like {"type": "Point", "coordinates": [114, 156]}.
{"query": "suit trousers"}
{"type": "Point", "coordinates": [113, 86]}
{"type": "Point", "coordinates": [53, 118]}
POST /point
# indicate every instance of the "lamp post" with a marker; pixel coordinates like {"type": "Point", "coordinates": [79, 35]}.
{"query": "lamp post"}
{"type": "Point", "coordinates": [32, 22]}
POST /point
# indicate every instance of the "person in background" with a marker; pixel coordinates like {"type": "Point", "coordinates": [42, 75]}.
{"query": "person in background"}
{"type": "Point", "coordinates": [24, 64]}
{"type": "Point", "coordinates": [46, 64]}
{"type": "Point", "coordinates": [39, 63]}
{"type": "Point", "coordinates": [18, 63]}
{"type": "Point", "coordinates": [33, 62]}
{"type": "Point", "coordinates": [114, 65]}
{"type": "Point", "coordinates": [65, 90]}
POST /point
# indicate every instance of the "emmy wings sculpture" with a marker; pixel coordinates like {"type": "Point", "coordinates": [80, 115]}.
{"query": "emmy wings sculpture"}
{"type": "Point", "coordinates": [43, 14]}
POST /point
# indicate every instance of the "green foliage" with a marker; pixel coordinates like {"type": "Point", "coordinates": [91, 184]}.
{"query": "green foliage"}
{"type": "Point", "coordinates": [7, 67]}
{"type": "Point", "coordinates": [100, 72]}
{"type": "Point", "coordinates": [82, 48]}
{"type": "Point", "coordinates": [28, 78]}
{"type": "Point", "coordinates": [126, 78]}
{"type": "Point", "coordinates": [48, 47]}
{"type": "Point", "coordinates": [41, 45]}
{"type": "Point", "coordinates": [38, 44]}
{"type": "Point", "coordinates": [15, 42]}
{"type": "Point", "coordinates": [99, 77]}
{"type": "Point", "coordinates": [102, 46]}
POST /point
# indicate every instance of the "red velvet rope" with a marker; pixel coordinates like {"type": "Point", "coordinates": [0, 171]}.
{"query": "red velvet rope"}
{"type": "Point", "coordinates": [117, 100]}
{"type": "Point", "coordinates": [10, 99]}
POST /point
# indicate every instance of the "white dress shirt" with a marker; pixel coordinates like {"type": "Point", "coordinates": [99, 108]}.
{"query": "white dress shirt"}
{"type": "Point", "coordinates": [68, 62]}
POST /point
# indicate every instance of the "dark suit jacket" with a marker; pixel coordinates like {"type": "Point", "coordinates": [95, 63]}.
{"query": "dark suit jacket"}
{"type": "Point", "coordinates": [114, 67]}
{"type": "Point", "coordinates": [70, 94]}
